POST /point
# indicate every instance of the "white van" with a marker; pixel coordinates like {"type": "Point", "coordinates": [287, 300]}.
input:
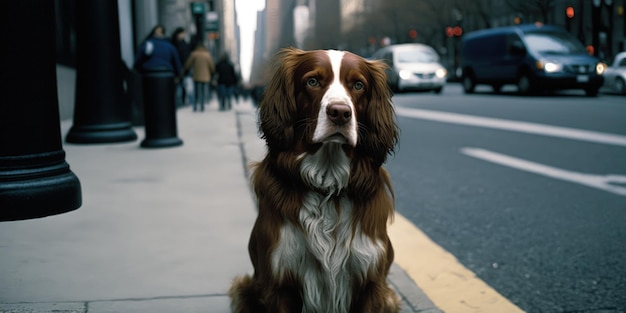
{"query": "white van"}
{"type": "Point", "coordinates": [412, 66]}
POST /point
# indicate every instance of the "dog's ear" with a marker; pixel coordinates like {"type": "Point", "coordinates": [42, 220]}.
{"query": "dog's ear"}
{"type": "Point", "coordinates": [381, 134]}
{"type": "Point", "coordinates": [278, 111]}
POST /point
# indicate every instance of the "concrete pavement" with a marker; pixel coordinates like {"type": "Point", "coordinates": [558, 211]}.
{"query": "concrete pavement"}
{"type": "Point", "coordinates": [160, 230]}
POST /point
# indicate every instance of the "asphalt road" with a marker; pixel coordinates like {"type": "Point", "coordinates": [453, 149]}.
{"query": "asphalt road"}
{"type": "Point", "coordinates": [536, 209]}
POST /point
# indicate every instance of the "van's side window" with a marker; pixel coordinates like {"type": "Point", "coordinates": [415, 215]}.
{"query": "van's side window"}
{"type": "Point", "coordinates": [514, 45]}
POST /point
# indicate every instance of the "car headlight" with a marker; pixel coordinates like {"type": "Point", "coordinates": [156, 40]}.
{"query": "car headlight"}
{"type": "Point", "coordinates": [600, 68]}
{"type": "Point", "coordinates": [404, 74]}
{"type": "Point", "coordinates": [549, 67]}
{"type": "Point", "coordinates": [441, 73]}
{"type": "Point", "coordinates": [553, 67]}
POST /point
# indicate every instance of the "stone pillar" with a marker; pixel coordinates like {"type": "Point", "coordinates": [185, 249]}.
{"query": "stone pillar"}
{"type": "Point", "coordinates": [35, 180]}
{"type": "Point", "coordinates": [101, 112]}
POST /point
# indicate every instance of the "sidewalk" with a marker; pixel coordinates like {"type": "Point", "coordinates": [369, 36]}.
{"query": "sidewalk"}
{"type": "Point", "coordinates": [161, 230]}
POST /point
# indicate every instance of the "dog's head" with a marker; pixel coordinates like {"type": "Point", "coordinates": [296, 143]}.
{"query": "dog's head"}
{"type": "Point", "coordinates": [321, 96]}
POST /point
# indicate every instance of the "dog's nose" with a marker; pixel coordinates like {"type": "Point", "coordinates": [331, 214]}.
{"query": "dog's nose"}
{"type": "Point", "coordinates": [339, 113]}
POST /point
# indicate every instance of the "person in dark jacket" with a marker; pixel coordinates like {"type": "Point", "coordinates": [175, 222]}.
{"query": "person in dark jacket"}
{"type": "Point", "coordinates": [179, 40]}
{"type": "Point", "coordinates": [227, 79]}
{"type": "Point", "coordinates": [158, 53]}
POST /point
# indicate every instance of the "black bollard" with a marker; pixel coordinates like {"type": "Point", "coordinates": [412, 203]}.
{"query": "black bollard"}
{"type": "Point", "coordinates": [101, 114]}
{"type": "Point", "coordinates": [159, 94]}
{"type": "Point", "coordinates": [35, 180]}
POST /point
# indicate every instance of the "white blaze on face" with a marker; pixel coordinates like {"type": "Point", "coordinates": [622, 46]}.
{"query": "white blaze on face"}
{"type": "Point", "coordinates": [325, 130]}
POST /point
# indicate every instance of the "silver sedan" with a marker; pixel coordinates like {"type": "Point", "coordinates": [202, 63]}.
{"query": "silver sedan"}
{"type": "Point", "coordinates": [615, 75]}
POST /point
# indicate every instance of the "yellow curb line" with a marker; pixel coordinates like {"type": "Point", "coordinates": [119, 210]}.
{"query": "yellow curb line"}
{"type": "Point", "coordinates": [449, 285]}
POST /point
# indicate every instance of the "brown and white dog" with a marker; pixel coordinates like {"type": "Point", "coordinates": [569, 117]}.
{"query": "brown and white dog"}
{"type": "Point", "coordinates": [320, 240]}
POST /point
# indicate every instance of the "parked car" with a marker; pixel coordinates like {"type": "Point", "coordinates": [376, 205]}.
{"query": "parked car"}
{"type": "Point", "coordinates": [615, 75]}
{"type": "Point", "coordinates": [535, 57]}
{"type": "Point", "coordinates": [412, 67]}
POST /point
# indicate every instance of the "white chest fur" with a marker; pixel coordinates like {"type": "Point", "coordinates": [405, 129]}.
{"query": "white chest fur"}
{"type": "Point", "coordinates": [327, 170]}
{"type": "Point", "coordinates": [324, 254]}
{"type": "Point", "coordinates": [325, 251]}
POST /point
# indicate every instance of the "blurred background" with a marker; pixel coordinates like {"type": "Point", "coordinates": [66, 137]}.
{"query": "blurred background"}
{"type": "Point", "coordinates": [251, 31]}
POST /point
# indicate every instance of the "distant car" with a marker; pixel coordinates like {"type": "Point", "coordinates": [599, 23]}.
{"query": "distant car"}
{"type": "Point", "coordinates": [615, 75]}
{"type": "Point", "coordinates": [412, 67]}
{"type": "Point", "coordinates": [534, 57]}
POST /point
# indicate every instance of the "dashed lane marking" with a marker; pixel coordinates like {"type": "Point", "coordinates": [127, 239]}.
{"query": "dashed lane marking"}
{"type": "Point", "coordinates": [609, 183]}
{"type": "Point", "coordinates": [517, 126]}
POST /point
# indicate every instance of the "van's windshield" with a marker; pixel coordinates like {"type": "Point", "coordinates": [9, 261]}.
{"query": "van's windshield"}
{"type": "Point", "coordinates": [417, 56]}
{"type": "Point", "coordinates": [544, 42]}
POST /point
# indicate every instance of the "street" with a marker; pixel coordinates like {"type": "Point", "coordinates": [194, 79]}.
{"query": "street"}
{"type": "Point", "coordinates": [529, 193]}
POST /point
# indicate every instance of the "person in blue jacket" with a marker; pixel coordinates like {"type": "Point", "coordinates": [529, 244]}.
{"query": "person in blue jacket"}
{"type": "Point", "coordinates": [157, 53]}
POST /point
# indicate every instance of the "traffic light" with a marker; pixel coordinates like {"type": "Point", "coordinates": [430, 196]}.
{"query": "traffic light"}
{"type": "Point", "coordinates": [458, 31]}
{"type": "Point", "coordinates": [569, 15]}
{"type": "Point", "coordinates": [455, 31]}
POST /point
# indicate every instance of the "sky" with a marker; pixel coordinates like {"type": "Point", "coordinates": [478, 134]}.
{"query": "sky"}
{"type": "Point", "coordinates": [246, 14]}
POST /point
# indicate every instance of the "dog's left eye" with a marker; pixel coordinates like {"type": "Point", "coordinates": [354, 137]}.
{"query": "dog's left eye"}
{"type": "Point", "coordinates": [359, 85]}
{"type": "Point", "coordinates": [312, 82]}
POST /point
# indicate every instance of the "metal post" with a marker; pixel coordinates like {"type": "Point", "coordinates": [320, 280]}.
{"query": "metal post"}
{"type": "Point", "coordinates": [35, 180]}
{"type": "Point", "coordinates": [160, 109]}
{"type": "Point", "coordinates": [609, 29]}
{"type": "Point", "coordinates": [101, 113]}
{"type": "Point", "coordinates": [595, 26]}
{"type": "Point", "coordinates": [581, 21]}
{"type": "Point", "coordinates": [198, 10]}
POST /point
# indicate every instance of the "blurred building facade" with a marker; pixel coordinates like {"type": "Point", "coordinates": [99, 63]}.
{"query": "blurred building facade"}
{"type": "Point", "coordinates": [274, 30]}
{"type": "Point", "coordinates": [136, 19]}
{"type": "Point", "coordinates": [362, 26]}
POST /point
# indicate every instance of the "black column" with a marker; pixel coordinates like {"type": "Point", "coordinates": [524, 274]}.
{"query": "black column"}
{"type": "Point", "coordinates": [35, 180]}
{"type": "Point", "coordinates": [160, 109]}
{"type": "Point", "coordinates": [101, 112]}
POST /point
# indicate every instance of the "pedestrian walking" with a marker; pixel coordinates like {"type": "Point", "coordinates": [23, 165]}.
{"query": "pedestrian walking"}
{"type": "Point", "coordinates": [158, 53]}
{"type": "Point", "coordinates": [179, 40]}
{"type": "Point", "coordinates": [227, 79]}
{"type": "Point", "coordinates": [202, 67]}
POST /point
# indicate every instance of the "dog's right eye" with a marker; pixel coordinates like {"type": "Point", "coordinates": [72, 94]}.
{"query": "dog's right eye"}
{"type": "Point", "coordinates": [312, 82]}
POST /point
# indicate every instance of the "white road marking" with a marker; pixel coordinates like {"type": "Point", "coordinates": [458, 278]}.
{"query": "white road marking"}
{"type": "Point", "coordinates": [603, 182]}
{"type": "Point", "coordinates": [510, 125]}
